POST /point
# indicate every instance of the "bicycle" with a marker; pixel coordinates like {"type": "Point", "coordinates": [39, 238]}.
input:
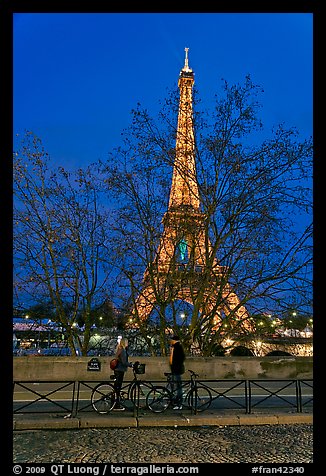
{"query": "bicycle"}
{"type": "Point", "coordinates": [103, 397]}
{"type": "Point", "coordinates": [197, 397]}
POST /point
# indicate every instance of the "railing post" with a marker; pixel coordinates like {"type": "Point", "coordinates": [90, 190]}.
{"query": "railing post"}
{"type": "Point", "coordinates": [75, 401]}
{"type": "Point", "coordinates": [298, 395]}
{"type": "Point", "coordinates": [136, 401]}
{"type": "Point", "coordinates": [246, 395]}
{"type": "Point", "coordinates": [248, 405]}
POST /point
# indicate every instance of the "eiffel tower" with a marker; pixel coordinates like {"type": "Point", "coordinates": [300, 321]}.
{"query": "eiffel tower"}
{"type": "Point", "coordinates": [184, 256]}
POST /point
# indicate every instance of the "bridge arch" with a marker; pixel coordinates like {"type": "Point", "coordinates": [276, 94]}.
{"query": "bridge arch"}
{"type": "Point", "coordinates": [241, 351]}
{"type": "Point", "coordinates": [278, 353]}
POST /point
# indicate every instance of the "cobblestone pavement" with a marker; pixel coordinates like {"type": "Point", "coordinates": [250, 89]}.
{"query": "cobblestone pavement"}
{"type": "Point", "coordinates": [227, 444]}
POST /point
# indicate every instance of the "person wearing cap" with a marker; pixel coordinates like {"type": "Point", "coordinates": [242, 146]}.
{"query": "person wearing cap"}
{"type": "Point", "coordinates": [176, 360]}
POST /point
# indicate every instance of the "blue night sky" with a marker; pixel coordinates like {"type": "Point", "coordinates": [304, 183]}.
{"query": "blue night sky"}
{"type": "Point", "coordinates": [78, 75]}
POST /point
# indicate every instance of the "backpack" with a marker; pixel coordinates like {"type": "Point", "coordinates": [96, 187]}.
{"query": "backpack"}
{"type": "Point", "coordinates": [113, 363]}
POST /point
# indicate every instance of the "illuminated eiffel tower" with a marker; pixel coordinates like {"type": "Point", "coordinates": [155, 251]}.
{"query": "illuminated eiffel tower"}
{"type": "Point", "coordinates": [184, 249]}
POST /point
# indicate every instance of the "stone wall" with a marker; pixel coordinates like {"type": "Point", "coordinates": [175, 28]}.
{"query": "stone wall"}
{"type": "Point", "coordinates": [33, 368]}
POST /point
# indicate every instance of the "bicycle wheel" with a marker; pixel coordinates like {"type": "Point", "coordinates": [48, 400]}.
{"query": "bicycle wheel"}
{"type": "Point", "coordinates": [103, 398]}
{"type": "Point", "coordinates": [199, 398]}
{"type": "Point", "coordinates": [158, 399]}
{"type": "Point", "coordinates": [138, 399]}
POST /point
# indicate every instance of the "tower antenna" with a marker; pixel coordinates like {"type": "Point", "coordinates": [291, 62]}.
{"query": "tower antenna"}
{"type": "Point", "coordinates": [186, 66]}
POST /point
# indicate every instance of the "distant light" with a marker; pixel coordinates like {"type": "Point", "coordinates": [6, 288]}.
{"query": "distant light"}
{"type": "Point", "coordinates": [27, 316]}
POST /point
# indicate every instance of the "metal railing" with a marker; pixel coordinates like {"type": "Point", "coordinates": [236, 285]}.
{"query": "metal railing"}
{"type": "Point", "coordinates": [74, 397]}
{"type": "Point", "coordinates": [280, 391]}
{"type": "Point", "coordinates": [303, 399]}
{"type": "Point", "coordinates": [50, 398]}
{"type": "Point", "coordinates": [221, 390]}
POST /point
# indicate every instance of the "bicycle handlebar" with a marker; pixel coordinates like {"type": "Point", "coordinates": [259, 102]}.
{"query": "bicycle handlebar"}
{"type": "Point", "coordinates": [193, 374]}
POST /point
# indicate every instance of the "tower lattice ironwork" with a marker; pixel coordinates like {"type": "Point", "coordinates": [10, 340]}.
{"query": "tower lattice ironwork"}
{"type": "Point", "coordinates": [185, 268]}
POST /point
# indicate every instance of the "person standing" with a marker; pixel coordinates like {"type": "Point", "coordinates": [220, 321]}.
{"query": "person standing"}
{"type": "Point", "coordinates": [176, 360]}
{"type": "Point", "coordinates": [119, 372]}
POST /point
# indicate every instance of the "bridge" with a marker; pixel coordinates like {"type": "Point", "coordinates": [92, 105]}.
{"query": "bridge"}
{"type": "Point", "coordinates": [261, 346]}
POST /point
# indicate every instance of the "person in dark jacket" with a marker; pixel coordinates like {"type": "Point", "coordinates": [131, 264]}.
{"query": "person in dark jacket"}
{"type": "Point", "coordinates": [119, 372]}
{"type": "Point", "coordinates": [177, 358]}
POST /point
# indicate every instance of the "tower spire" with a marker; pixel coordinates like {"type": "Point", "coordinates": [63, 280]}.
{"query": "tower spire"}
{"type": "Point", "coordinates": [184, 189]}
{"type": "Point", "coordinates": [186, 65]}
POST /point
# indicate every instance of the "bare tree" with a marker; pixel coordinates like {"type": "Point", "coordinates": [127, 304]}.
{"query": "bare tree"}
{"type": "Point", "coordinates": [256, 203]}
{"type": "Point", "coordinates": [255, 216]}
{"type": "Point", "coordinates": [60, 240]}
